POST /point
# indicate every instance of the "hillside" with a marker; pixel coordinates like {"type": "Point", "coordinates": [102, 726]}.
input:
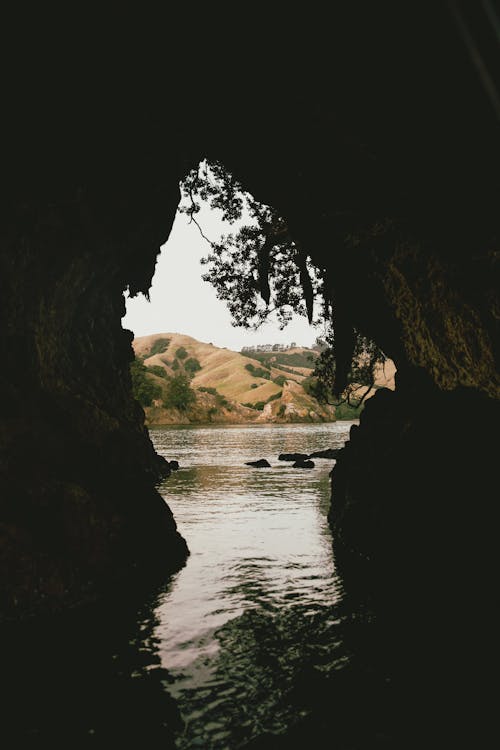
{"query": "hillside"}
{"type": "Point", "coordinates": [227, 386]}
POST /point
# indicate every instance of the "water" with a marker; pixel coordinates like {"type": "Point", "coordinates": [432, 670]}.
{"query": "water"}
{"type": "Point", "coordinates": [260, 546]}
{"type": "Point", "coordinates": [250, 642]}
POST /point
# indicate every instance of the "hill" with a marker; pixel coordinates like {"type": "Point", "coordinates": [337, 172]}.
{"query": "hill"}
{"type": "Point", "coordinates": [220, 385]}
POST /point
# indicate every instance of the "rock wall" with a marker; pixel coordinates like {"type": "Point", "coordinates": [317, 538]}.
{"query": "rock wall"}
{"type": "Point", "coordinates": [79, 510]}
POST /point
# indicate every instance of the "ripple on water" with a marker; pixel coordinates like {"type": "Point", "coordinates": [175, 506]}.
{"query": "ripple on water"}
{"type": "Point", "coordinates": [254, 601]}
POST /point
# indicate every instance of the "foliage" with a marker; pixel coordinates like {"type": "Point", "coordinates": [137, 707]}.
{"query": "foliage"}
{"type": "Point", "coordinates": [179, 394]}
{"type": "Point", "coordinates": [159, 346]}
{"type": "Point", "coordinates": [346, 412]}
{"type": "Point", "coordinates": [192, 365]}
{"type": "Point", "coordinates": [280, 380]}
{"type": "Point", "coordinates": [258, 372]}
{"type": "Point", "coordinates": [281, 410]}
{"type": "Point", "coordinates": [296, 359]}
{"type": "Point", "coordinates": [157, 370]}
{"type": "Point", "coordinates": [275, 396]}
{"type": "Point", "coordinates": [145, 390]}
{"type": "Point", "coordinates": [254, 385]}
{"type": "Point", "coordinates": [175, 365]}
{"type": "Point", "coordinates": [221, 400]}
{"type": "Point", "coordinates": [261, 262]}
{"type": "Point", "coordinates": [360, 379]}
{"type": "Point", "coordinates": [181, 353]}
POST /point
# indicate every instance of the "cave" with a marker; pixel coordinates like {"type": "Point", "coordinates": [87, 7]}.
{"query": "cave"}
{"type": "Point", "coordinates": [378, 138]}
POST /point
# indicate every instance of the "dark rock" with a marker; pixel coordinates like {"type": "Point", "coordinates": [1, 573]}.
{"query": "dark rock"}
{"type": "Point", "coordinates": [328, 453]}
{"type": "Point", "coordinates": [303, 464]}
{"type": "Point", "coordinates": [174, 465]}
{"type": "Point", "coordinates": [262, 463]}
{"type": "Point", "coordinates": [293, 456]}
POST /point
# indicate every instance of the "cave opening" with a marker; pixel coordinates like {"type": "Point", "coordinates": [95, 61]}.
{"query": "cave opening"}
{"type": "Point", "coordinates": [381, 149]}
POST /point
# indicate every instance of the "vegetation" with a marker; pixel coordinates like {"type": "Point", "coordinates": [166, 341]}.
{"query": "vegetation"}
{"type": "Point", "coordinates": [181, 353]}
{"type": "Point", "coordinates": [192, 365]}
{"type": "Point", "coordinates": [254, 385]}
{"type": "Point", "coordinates": [258, 372]}
{"type": "Point", "coordinates": [344, 411]}
{"type": "Point", "coordinates": [262, 269]}
{"type": "Point", "coordinates": [144, 389]}
{"type": "Point", "coordinates": [159, 346]}
{"type": "Point", "coordinates": [259, 405]}
{"type": "Point", "coordinates": [280, 380]}
{"type": "Point", "coordinates": [295, 359]}
{"type": "Point", "coordinates": [157, 370]}
{"type": "Point", "coordinates": [175, 365]}
{"type": "Point", "coordinates": [179, 394]}
{"type": "Point", "coordinates": [221, 400]}
{"type": "Point", "coordinates": [275, 396]}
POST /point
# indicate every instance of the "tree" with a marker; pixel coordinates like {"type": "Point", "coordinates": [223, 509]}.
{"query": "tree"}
{"type": "Point", "coordinates": [144, 389]}
{"type": "Point", "coordinates": [181, 353]}
{"type": "Point", "coordinates": [179, 394]}
{"type": "Point", "coordinates": [262, 269]}
{"type": "Point", "coordinates": [192, 365]}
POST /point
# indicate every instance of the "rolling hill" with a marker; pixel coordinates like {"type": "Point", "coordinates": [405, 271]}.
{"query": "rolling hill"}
{"type": "Point", "coordinates": [230, 387]}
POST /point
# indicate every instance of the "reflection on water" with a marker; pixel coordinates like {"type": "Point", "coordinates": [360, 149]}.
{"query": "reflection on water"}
{"type": "Point", "coordinates": [258, 537]}
{"type": "Point", "coordinates": [261, 552]}
{"type": "Point", "coordinates": [249, 642]}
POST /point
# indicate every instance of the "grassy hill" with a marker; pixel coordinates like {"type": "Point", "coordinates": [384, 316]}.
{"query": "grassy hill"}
{"type": "Point", "coordinates": [223, 385]}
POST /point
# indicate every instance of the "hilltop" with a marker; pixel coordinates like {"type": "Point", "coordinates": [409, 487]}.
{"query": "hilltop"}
{"type": "Point", "coordinates": [227, 386]}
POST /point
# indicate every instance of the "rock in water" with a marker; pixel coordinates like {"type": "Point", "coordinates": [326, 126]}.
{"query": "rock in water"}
{"type": "Point", "coordinates": [328, 453]}
{"type": "Point", "coordinates": [174, 465]}
{"type": "Point", "coordinates": [303, 465]}
{"type": "Point", "coordinates": [293, 457]}
{"type": "Point", "coordinates": [262, 463]}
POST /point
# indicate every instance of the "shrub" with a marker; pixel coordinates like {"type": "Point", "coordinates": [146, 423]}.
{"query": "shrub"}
{"type": "Point", "coordinates": [179, 394]}
{"type": "Point", "coordinates": [281, 410]}
{"type": "Point", "coordinates": [181, 353]}
{"type": "Point", "coordinates": [192, 365]}
{"type": "Point", "coordinates": [275, 396]}
{"type": "Point", "coordinates": [205, 389]}
{"type": "Point", "coordinates": [280, 380]}
{"type": "Point", "coordinates": [159, 346]}
{"type": "Point", "coordinates": [258, 372]}
{"type": "Point", "coordinates": [175, 364]}
{"type": "Point", "coordinates": [143, 388]}
{"type": "Point", "coordinates": [254, 385]}
{"type": "Point", "coordinates": [346, 412]}
{"type": "Point", "coordinates": [221, 400]}
{"type": "Point", "coordinates": [157, 370]}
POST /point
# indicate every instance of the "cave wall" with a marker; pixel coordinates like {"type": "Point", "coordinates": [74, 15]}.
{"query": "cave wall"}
{"type": "Point", "coordinates": [79, 509]}
{"type": "Point", "coordinates": [385, 162]}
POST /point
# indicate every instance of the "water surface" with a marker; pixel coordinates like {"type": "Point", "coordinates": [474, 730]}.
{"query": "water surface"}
{"type": "Point", "coordinates": [252, 644]}
{"type": "Point", "coordinates": [260, 548]}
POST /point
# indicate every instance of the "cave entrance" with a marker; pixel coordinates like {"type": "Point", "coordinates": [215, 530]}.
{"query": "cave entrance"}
{"type": "Point", "coordinates": [245, 336]}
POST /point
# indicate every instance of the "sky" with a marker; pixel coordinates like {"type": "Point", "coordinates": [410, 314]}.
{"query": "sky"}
{"type": "Point", "coordinates": [181, 302]}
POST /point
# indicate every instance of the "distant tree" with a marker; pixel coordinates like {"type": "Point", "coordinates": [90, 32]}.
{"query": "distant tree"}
{"type": "Point", "coordinates": [181, 353]}
{"type": "Point", "coordinates": [258, 372]}
{"type": "Point", "coordinates": [179, 394]}
{"type": "Point", "coordinates": [157, 370]}
{"type": "Point", "coordinates": [159, 346]}
{"type": "Point", "coordinates": [192, 365]}
{"type": "Point", "coordinates": [175, 364]}
{"type": "Point", "coordinates": [144, 389]}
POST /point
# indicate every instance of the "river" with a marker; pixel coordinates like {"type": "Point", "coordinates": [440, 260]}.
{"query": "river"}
{"type": "Point", "coordinates": [247, 643]}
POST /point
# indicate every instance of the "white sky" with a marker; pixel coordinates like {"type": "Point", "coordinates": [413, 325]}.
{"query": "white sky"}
{"type": "Point", "coordinates": [182, 303]}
